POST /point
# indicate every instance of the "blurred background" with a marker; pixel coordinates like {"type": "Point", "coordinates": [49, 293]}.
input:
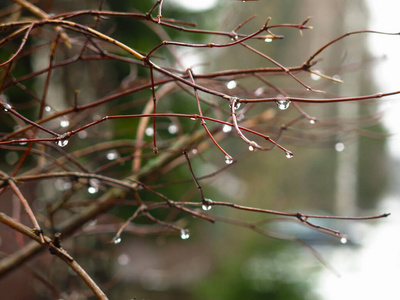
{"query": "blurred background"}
{"type": "Point", "coordinates": [345, 164]}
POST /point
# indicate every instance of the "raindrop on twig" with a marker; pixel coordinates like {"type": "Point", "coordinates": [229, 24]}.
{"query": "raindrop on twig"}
{"type": "Point", "coordinates": [231, 84]}
{"type": "Point", "coordinates": [207, 204]}
{"type": "Point", "coordinates": [228, 160]}
{"type": "Point", "coordinates": [288, 154]}
{"type": "Point", "coordinates": [185, 234]}
{"type": "Point", "coordinates": [283, 104]}
{"type": "Point", "coordinates": [6, 107]}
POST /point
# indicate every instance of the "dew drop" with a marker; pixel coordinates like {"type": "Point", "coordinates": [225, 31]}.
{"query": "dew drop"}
{"type": "Point", "coordinates": [117, 240]}
{"type": "Point", "coordinates": [258, 92]}
{"type": "Point", "coordinates": [268, 40]}
{"type": "Point", "coordinates": [47, 108]}
{"type": "Point", "coordinates": [207, 204]}
{"type": "Point", "coordinates": [227, 128]}
{"type": "Point", "coordinates": [231, 84]}
{"type": "Point", "coordinates": [194, 151]}
{"type": "Point", "coordinates": [288, 154]}
{"type": "Point", "coordinates": [343, 240]}
{"type": "Point", "coordinates": [22, 141]}
{"type": "Point", "coordinates": [6, 107]}
{"type": "Point", "coordinates": [283, 104]}
{"type": "Point", "coordinates": [228, 160]}
{"type": "Point", "coordinates": [92, 190]}
{"type": "Point", "coordinates": [62, 140]}
{"type": "Point", "coordinates": [94, 186]}
{"type": "Point", "coordinates": [149, 131]}
{"type": "Point", "coordinates": [312, 121]}
{"type": "Point", "coordinates": [234, 101]}
{"type": "Point", "coordinates": [112, 155]}
{"type": "Point", "coordinates": [339, 147]}
{"type": "Point", "coordinates": [64, 123]}
{"type": "Point", "coordinates": [252, 146]}
{"type": "Point", "coordinates": [62, 143]}
{"type": "Point", "coordinates": [193, 118]}
{"type": "Point", "coordinates": [172, 129]}
{"type": "Point", "coordinates": [185, 234]}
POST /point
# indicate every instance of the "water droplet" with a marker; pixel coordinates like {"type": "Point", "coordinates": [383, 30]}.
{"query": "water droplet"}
{"type": "Point", "coordinates": [268, 40]}
{"type": "Point", "coordinates": [234, 101]}
{"type": "Point", "coordinates": [283, 104]}
{"type": "Point", "coordinates": [94, 186]}
{"type": "Point", "coordinates": [231, 84]}
{"type": "Point", "coordinates": [288, 154]}
{"type": "Point", "coordinates": [315, 76]}
{"type": "Point", "coordinates": [339, 147]}
{"type": "Point", "coordinates": [252, 146]}
{"type": "Point", "coordinates": [112, 155]}
{"type": "Point", "coordinates": [47, 108]}
{"type": "Point", "coordinates": [228, 160]}
{"type": "Point", "coordinates": [149, 131]}
{"type": "Point", "coordinates": [92, 190]}
{"type": "Point", "coordinates": [64, 123]}
{"type": "Point", "coordinates": [343, 240]}
{"type": "Point", "coordinates": [117, 240]}
{"type": "Point", "coordinates": [172, 129]}
{"type": "Point", "coordinates": [235, 38]}
{"type": "Point", "coordinates": [185, 234]}
{"type": "Point", "coordinates": [207, 204]}
{"type": "Point", "coordinates": [6, 107]}
{"type": "Point", "coordinates": [313, 121]}
{"type": "Point", "coordinates": [22, 141]}
{"type": "Point", "coordinates": [194, 151]}
{"type": "Point", "coordinates": [227, 128]}
{"type": "Point", "coordinates": [62, 140]}
{"type": "Point", "coordinates": [62, 143]}
{"type": "Point", "coordinates": [258, 92]}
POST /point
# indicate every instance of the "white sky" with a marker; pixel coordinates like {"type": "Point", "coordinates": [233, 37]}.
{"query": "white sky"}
{"type": "Point", "coordinates": [195, 5]}
{"type": "Point", "coordinates": [385, 17]}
